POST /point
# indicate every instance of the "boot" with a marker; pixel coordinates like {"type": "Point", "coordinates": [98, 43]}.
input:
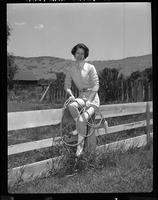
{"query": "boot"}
{"type": "Point", "coordinates": [80, 146]}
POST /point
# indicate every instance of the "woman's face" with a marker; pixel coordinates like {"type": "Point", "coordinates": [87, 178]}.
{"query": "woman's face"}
{"type": "Point", "coordinates": [79, 55]}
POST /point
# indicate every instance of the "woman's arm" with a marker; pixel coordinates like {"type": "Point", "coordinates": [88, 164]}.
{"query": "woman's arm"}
{"type": "Point", "coordinates": [67, 83]}
{"type": "Point", "coordinates": [94, 78]}
{"type": "Point", "coordinates": [69, 91]}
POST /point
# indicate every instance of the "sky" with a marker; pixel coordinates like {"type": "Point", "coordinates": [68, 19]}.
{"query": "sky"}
{"type": "Point", "coordinates": [110, 30]}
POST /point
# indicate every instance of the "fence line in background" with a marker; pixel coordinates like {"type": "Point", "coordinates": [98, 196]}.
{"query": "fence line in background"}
{"type": "Point", "coordinates": [135, 91]}
{"type": "Point", "coordinates": [131, 91]}
{"type": "Point", "coordinates": [27, 119]}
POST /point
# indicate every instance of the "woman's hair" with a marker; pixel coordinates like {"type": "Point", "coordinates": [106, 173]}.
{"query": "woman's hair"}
{"type": "Point", "coordinates": [83, 46]}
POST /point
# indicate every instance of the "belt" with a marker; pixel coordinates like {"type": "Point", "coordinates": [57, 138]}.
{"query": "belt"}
{"type": "Point", "coordinates": [85, 90]}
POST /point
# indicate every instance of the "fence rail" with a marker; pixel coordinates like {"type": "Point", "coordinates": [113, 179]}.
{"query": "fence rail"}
{"type": "Point", "coordinates": [29, 119]}
{"type": "Point", "coordinates": [29, 146]}
{"type": "Point", "coordinates": [134, 91]}
{"type": "Point", "coordinates": [38, 118]}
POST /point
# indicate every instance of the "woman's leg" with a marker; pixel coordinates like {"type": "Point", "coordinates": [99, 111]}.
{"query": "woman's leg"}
{"type": "Point", "coordinates": [73, 107]}
{"type": "Point", "coordinates": [82, 128]}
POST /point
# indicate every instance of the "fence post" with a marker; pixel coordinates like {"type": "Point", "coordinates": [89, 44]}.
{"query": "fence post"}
{"type": "Point", "coordinates": [141, 90]}
{"type": "Point", "coordinates": [54, 93]}
{"type": "Point", "coordinates": [135, 91]}
{"type": "Point", "coordinates": [148, 123]}
{"type": "Point", "coordinates": [50, 94]}
{"type": "Point", "coordinates": [132, 91]}
{"type": "Point", "coordinates": [149, 91]}
{"type": "Point", "coordinates": [139, 93]}
{"type": "Point", "coordinates": [90, 142]}
{"type": "Point", "coordinates": [122, 87]}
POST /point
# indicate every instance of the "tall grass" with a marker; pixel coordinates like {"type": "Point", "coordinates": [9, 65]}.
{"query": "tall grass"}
{"type": "Point", "coordinates": [118, 172]}
{"type": "Point", "coordinates": [28, 98]}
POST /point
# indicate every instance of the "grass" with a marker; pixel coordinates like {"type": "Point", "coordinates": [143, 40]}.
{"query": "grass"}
{"type": "Point", "coordinates": [131, 171]}
{"type": "Point", "coordinates": [29, 99]}
{"type": "Point", "coordinates": [116, 172]}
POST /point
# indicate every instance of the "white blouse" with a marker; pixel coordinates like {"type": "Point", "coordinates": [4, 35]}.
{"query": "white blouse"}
{"type": "Point", "coordinates": [84, 77]}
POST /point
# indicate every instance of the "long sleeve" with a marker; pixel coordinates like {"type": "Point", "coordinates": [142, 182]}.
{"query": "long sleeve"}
{"type": "Point", "coordinates": [94, 78]}
{"type": "Point", "coordinates": [67, 83]}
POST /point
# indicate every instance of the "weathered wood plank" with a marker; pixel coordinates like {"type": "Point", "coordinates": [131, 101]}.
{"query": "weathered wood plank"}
{"type": "Point", "coordinates": [115, 110]}
{"type": "Point", "coordinates": [123, 127]}
{"type": "Point", "coordinates": [31, 119]}
{"type": "Point", "coordinates": [29, 146]}
{"type": "Point", "coordinates": [42, 168]}
{"type": "Point", "coordinates": [124, 145]}
{"type": "Point", "coordinates": [34, 170]}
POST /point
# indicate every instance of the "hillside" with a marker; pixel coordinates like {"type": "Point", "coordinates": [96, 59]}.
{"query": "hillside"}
{"type": "Point", "coordinates": [46, 67]}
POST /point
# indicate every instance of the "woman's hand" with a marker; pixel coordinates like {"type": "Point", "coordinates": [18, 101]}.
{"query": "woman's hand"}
{"type": "Point", "coordinates": [88, 103]}
{"type": "Point", "coordinates": [71, 98]}
{"type": "Point", "coordinates": [69, 92]}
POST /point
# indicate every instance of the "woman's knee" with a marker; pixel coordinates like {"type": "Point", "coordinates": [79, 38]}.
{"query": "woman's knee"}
{"type": "Point", "coordinates": [81, 120]}
{"type": "Point", "coordinates": [73, 108]}
{"type": "Point", "coordinates": [90, 111]}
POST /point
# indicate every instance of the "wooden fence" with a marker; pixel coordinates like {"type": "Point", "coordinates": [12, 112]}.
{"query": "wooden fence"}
{"type": "Point", "coordinates": [134, 91]}
{"type": "Point", "coordinates": [39, 118]}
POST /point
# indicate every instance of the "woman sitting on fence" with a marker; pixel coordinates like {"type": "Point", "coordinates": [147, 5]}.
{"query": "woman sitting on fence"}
{"type": "Point", "coordinates": [86, 80]}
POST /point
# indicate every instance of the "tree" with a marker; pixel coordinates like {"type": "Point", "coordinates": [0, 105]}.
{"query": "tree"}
{"type": "Point", "coordinates": [109, 82]}
{"type": "Point", "coordinates": [11, 70]}
{"type": "Point", "coordinates": [11, 66]}
{"type": "Point", "coordinates": [147, 74]}
{"type": "Point", "coordinates": [60, 79]}
{"type": "Point", "coordinates": [135, 75]}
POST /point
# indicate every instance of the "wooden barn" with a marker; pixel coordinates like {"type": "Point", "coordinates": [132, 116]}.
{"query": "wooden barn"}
{"type": "Point", "coordinates": [25, 78]}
